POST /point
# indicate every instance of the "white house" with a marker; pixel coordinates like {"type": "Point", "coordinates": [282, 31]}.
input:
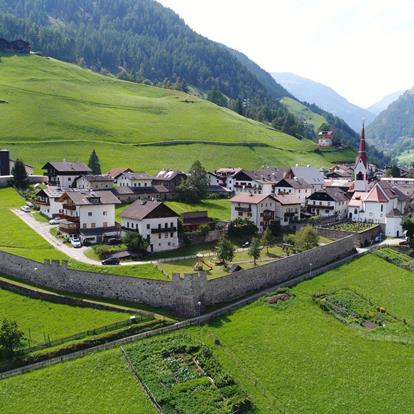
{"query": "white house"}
{"type": "Point", "coordinates": [331, 202]}
{"type": "Point", "coordinates": [48, 202]}
{"type": "Point", "coordinates": [94, 182]}
{"type": "Point", "coordinates": [294, 186]}
{"type": "Point", "coordinates": [288, 208]}
{"type": "Point", "coordinates": [383, 204]}
{"type": "Point", "coordinates": [89, 214]}
{"type": "Point", "coordinates": [130, 179]}
{"type": "Point", "coordinates": [259, 209]}
{"type": "Point", "coordinates": [155, 222]}
{"type": "Point", "coordinates": [63, 173]}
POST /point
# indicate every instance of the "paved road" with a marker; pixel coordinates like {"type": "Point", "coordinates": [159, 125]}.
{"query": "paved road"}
{"type": "Point", "coordinates": [43, 229]}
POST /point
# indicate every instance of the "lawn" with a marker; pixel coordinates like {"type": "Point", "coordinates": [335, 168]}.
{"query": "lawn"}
{"type": "Point", "coordinates": [56, 110]}
{"type": "Point", "coordinates": [38, 318]}
{"type": "Point", "coordinates": [99, 383]}
{"type": "Point", "coordinates": [302, 360]}
{"type": "Point", "coordinates": [218, 209]}
{"type": "Point", "coordinates": [304, 113]}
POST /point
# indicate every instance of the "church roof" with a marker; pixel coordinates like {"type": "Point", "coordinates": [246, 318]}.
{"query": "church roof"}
{"type": "Point", "coordinates": [377, 195]}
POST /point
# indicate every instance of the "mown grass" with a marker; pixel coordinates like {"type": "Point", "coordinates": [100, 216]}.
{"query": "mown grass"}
{"type": "Point", "coordinates": [302, 360]}
{"type": "Point", "coordinates": [304, 113]}
{"type": "Point", "coordinates": [55, 110]}
{"type": "Point", "coordinates": [218, 209]}
{"type": "Point", "coordinates": [99, 383]}
{"type": "Point", "coordinates": [40, 319]}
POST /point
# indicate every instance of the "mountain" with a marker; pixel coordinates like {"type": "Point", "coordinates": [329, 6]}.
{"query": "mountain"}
{"type": "Point", "coordinates": [325, 97]}
{"type": "Point", "coordinates": [55, 110]}
{"type": "Point", "coordinates": [393, 128]}
{"type": "Point", "coordinates": [384, 103]}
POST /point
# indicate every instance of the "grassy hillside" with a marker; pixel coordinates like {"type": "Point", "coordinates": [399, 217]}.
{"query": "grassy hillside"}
{"type": "Point", "coordinates": [55, 110]}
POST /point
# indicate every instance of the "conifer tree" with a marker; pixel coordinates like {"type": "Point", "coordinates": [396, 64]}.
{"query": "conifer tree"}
{"type": "Point", "coordinates": [94, 163]}
{"type": "Point", "coordinates": [254, 250]}
{"type": "Point", "coordinates": [20, 178]}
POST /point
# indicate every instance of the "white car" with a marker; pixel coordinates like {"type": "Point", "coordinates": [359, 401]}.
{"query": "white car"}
{"type": "Point", "coordinates": [25, 209]}
{"type": "Point", "coordinates": [75, 242]}
{"type": "Point", "coordinates": [55, 221]}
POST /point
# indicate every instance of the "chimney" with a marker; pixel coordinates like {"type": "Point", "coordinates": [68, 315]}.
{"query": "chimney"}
{"type": "Point", "coordinates": [4, 162]}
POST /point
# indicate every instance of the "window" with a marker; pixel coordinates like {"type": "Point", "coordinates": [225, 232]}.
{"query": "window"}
{"type": "Point", "coordinates": [166, 235]}
{"type": "Point", "coordinates": [148, 226]}
{"type": "Point", "coordinates": [69, 179]}
{"type": "Point", "coordinates": [105, 224]}
{"type": "Point", "coordinates": [166, 225]}
{"type": "Point", "coordinates": [159, 236]}
{"type": "Point", "coordinates": [84, 226]}
{"type": "Point", "coordinates": [128, 224]}
{"type": "Point", "coordinates": [171, 235]}
{"type": "Point", "coordinates": [382, 208]}
{"type": "Point", "coordinates": [89, 214]}
{"type": "Point", "coordinates": [93, 225]}
{"type": "Point", "coordinates": [105, 213]}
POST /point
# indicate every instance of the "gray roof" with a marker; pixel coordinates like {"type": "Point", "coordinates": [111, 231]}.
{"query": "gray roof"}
{"type": "Point", "coordinates": [155, 189]}
{"type": "Point", "coordinates": [84, 197]}
{"type": "Point", "coordinates": [137, 176]}
{"type": "Point", "coordinates": [167, 175]}
{"type": "Point", "coordinates": [66, 166]}
{"type": "Point", "coordinates": [311, 175]}
{"type": "Point", "coordinates": [141, 209]}
{"type": "Point", "coordinates": [98, 178]}
{"type": "Point", "coordinates": [52, 192]}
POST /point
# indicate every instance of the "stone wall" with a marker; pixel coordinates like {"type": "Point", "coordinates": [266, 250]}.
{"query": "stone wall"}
{"type": "Point", "coordinates": [33, 179]}
{"type": "Point", "coordinates": [361, 239]}
{"type": "Point", "coordinates": [186, 296]}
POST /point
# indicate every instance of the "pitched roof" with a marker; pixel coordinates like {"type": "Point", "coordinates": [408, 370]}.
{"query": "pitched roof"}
{"type": "Point", "coordinates": [335, 194]}
{"type": "Point", "coordinates": [394, 213]}
{"type": "Point", "coordinates": [66, 166]}
{"type": "Point", "coordinates": [137, 176]}
{"type": "Point", "coordinates": [376, 195]}
{"type": "Point", "coordinates": [311, 175]}
{"type": "Point", "coordinates": [85, 197]}
{"type": "Point", "coordinates": [287, 199]}
{"type": "Point", "coordinates": [97, 178]}
{"type": "Point", "coordinates": [293, 183]}
{"type": "Point", "coordinates": [51, 192]}
{"type": "Point", "coordinates": [116, 172]}
{"type": "Point", "coordinates": [168, 175]}
{"type": "Point", "coordinates": [147, 209]}
{"type": "Point", "coordinates": [250, 198]}
{"type": "Point", "coordinates": [155, 189]}
{"type": "Point", "coordinates": [357, 199]}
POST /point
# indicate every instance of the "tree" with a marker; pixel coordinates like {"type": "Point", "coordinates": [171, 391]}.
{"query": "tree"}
{"type": "Point", "coordinates": [408, 226]}
{"type": "Point", "coordinates": [254, 249]}
{"type": "Point", "coordinates": [11, 338]}
{"type": "Point", "coordinates": [225, 250]}
{"type": "Point", "coordinates": [395, 171]}
{"type": "Point", "coordinates": [306, 239]}
{"type": "Point", "coordinates": [215, 96]}
{"type": "Point", "coordinates": [94, 163]}
{"type": "Point", "coordinates": [20, 178]}
{"type": "Point", "coordinates": [195, 187]}
{"type": "Point", "coordinates": [135, 242]}
{"type": "Point", "coordinates": [267, 239]}
{"type": "Point", "coordinates": [242, 228]}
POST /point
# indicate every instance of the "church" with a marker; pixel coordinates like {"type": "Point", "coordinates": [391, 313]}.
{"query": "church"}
{"type": "Point", "coordinates": [377, 202]}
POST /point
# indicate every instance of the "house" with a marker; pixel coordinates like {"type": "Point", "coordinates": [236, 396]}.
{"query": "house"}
{"type": "Point", "coordinates": [134, 180]}
{"type": "Point", "coordinates": [94, 182]}
{"type": "Point", "coordinates": [261, 181]}
{"type": "Point", "coordinates": [294, 186]}
{"type": "Point", "coordinates": [214, 179]}
{"type": "Point", "coordinates": [89, 214]}
{"type": "Point", "coordinates": [325, 138]}
{"type": "Point", "coordinates": [193, 220]}
{"type": "Point", "coordinates": [288, 208]}
{"type": "Point", "coordinates": [260, 209]}
{"type": "Point", "coordinates": [341, 172]}
{"type": "Point", "coordinates": [130, 194]}
{"type": "Point", "coordinates": [63, 173]}
{"type": "Point", "coordinates": [311, 175]}
{"type": "Point", "coordinates": [47, 200]}
{"type": "Point", "coordinates": [225, 176]}
{"type": "Point", "coordinates": [155, 222]}
{"type": "Point", "coordinates": [383, 204]}
{"type": "Point", "coordinates": [330, 202]}
{"type": "Point", "coordinates": [114, 173]}
{"type": "Point", "coordinates": [169, 179]}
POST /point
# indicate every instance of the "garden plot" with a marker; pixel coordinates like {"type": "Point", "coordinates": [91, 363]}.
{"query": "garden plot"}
{"type": "Point", "coordinates": [395, 256]}
{"type": "Point", "coordinates": [184, 377]}
{"type": "Point", "coordinates": [353, 309]}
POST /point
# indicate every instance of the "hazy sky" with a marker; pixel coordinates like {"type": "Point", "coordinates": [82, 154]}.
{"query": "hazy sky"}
{"type": "Point", "coordinates": [364, 49]}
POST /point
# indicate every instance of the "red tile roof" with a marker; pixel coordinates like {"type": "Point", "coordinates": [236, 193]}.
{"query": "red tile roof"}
{"type": "Point", "coordinates": [377, 195]}
{"type": "Point", "coordinates": [250, 198]}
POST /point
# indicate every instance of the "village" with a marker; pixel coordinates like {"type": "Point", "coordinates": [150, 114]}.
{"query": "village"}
{"type": "Point", "coordinates": [131, 212]}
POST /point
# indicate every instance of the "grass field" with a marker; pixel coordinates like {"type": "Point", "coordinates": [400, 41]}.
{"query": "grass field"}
{"type": "Point", "coordinates": [56, 110]}
{"type": "Point", "coordinates": [218, 209]}
{"type": "Point", "coordinates": [100, 383]}
{"type": "Point", "coordinates": [291, 357]}
{"type": "Point", "coordinates": [304, 113]}
{"type": "Point", "coordinates": [37, 318]}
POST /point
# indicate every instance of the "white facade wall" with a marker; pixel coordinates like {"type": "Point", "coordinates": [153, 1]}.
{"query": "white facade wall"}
{"type": "Point", "coordinates": [301, 193]}
{"type": "Point", "coordinates": [252, 186]}
{"type": "Point", "coordinates": [159, 242]}
{"type": "Point", "coordinates": [84, 184]}
{"type": "Point", "coordinates": [66, 181]}
{"type": "Point", "coordinates": [213, 180]}
{"type": "Point", "coordinates": [282, 210]}
{"type": "Point", "coordinates": [53, 209]}
{"type": "Point", "coordinates": [124, 181]}
{"type": "Point", "coordinates": [324, 208]}
{"type": "Point", "coordinates": [96, 216]}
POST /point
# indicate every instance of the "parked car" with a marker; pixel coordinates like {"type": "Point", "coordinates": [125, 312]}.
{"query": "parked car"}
{"type": "Point", "coordinates": [29, 204]}
{"type": "Point", "coordinates": [25, 209]}
{"type": "Point", "coordinates": [111, 261]}
{"type": "Point", "coordinates": [113, 241]}
{"type": "Point", "coordinates": [75, 242]}
{"type": "Point", "coordinates": [55, 221]}
{"type": "Point", "coordinates": [246, 244]}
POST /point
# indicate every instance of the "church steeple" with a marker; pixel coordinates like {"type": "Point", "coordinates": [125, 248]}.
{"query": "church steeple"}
{"type": "Point", "coordinates": [362, 153]}
{"type": "Point", "coordinates": [361, 165]}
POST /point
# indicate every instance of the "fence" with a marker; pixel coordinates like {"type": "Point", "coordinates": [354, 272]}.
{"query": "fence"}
{"type": "Point", "coordinates": [179, 325]}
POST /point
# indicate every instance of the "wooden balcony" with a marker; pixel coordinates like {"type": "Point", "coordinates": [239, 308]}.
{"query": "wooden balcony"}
{"type": "Point", "coordinates": [69, 207]}
{"type": "Point", "coordinates": [243, 209]}
{"type": "Point", "coordinates": [164, 230]}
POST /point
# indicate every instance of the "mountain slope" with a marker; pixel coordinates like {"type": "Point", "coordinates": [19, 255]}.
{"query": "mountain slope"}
{"type": "Point", "coordinates": [325, 97]}
{"type": "Point", "coordinates": [55, 110]}
{"type": "Point", "coordinates": [384, 103]}
{"type": "Point", "coordinates": [393, 128]}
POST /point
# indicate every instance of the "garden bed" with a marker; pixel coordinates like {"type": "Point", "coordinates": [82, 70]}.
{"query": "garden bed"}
{"type": "Point", "coordinates": [183, 377]}
{"type": "Point", "coordinates": [353, 227]}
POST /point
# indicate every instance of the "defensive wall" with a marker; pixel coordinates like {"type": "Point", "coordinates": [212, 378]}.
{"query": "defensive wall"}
{"type": "Point", "coordinates": [361, 239]}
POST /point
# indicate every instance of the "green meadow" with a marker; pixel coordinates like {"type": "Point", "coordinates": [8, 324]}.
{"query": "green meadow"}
{"type": "Point", "coordinates": [302, 112]}
{"type": "Point", "coordinates": [55, 110]}
{"type": "Point", "coordinates": [289, 357]}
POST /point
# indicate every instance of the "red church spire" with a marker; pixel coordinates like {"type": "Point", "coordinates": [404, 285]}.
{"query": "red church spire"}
{"type": "Point", "coordinates": [362, 153]}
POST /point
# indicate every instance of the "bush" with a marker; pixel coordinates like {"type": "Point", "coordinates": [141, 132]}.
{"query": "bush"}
{"type": "Point", "coordinates": [242, 228]}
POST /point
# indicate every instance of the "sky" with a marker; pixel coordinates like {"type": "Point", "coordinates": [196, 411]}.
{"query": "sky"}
{"type": "Point", "coordinates": [361, 48]}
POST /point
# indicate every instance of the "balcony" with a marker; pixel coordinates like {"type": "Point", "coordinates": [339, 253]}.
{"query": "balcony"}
{"type": "Point", "coordinates": [243, 209]}
{"type": "Point", "coordinates": [39, 202]}
{"type": "Point", "coordinates": [69, 207]}
{"type": "Point", "coordinates": [164, 230]}
{"type": "Point", "coordinates": [72, 219]}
